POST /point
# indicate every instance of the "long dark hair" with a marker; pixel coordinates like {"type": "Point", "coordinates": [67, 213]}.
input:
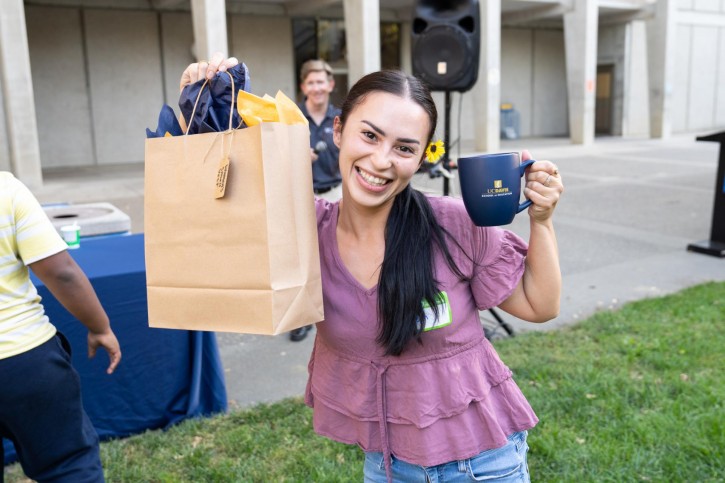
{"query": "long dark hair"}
{"type": "Point", "coordinates": [412, 232]}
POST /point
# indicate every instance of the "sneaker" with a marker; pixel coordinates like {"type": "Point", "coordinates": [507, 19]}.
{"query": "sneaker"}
{"type": "Point", "coordinates": [299, 334]}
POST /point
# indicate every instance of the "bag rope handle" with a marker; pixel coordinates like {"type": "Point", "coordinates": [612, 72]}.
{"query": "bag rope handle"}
{"type": "Point", "coordinates": [198, 96]}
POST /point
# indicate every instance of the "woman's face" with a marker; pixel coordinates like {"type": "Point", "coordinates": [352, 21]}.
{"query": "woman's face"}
{"type": "Point", "coordinates": [381, 147]}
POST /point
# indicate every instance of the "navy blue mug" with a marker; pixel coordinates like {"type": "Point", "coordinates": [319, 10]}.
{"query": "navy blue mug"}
{"type": "Point", "coordinates": [491, 187]}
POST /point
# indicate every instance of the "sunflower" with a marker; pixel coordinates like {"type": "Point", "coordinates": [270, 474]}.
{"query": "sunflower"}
{"type": "Point", "coordinates": [434, 151]}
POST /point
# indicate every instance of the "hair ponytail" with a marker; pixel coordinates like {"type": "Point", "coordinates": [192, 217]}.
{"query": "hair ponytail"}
{"type": "Point", "coordinates": [407, 275]}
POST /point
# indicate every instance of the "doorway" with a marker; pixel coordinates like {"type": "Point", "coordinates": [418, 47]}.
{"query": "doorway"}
{"type": "Point", "coordinates": [603, 106]}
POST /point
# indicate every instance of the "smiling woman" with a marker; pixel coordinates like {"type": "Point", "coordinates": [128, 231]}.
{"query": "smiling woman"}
{"type": "Point", "coordinates": [400, 365]}
{"type": "Point", "coordinates": [383, 138]}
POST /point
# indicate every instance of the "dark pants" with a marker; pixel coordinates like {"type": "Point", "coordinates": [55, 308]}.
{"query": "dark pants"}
{"type": "Point", "coordinates": [42, 414]}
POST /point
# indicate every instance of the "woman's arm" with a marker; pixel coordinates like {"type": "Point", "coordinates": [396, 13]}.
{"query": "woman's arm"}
{"type": "Point", "coordinates": [537, 296]}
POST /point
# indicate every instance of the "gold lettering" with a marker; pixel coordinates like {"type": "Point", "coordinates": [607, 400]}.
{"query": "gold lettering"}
{"type": "Point", "coordinates": [496, 191]}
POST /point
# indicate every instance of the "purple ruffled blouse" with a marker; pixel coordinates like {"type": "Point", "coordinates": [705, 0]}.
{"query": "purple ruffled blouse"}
{"type": "Point", "coordinates": [446, 399]}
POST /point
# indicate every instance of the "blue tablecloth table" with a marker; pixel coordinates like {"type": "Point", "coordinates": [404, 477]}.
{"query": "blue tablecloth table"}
{"type": "Point", "coordinates": [165, 375]}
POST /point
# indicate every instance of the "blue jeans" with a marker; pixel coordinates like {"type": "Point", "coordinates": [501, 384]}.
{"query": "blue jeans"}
{"type": "Point", "coordinates": [501, 465]}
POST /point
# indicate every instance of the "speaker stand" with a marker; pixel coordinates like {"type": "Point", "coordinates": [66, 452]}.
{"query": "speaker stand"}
{"type": "Point", "coordinates": [446, 137]}
{"type": "Point", "coordinates": [446, 188]}
{"type": "Point", "coordinates": [501, 322]}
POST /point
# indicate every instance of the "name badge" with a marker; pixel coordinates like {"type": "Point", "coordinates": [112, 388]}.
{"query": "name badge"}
{"type": "Point", "coordinates": [444, 317]}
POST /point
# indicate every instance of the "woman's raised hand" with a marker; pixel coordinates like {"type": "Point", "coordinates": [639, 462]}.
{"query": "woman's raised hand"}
{"type": "Point", "coordinates": [543, 188]}
{"type": "Point", "coordinates": [206, 69]}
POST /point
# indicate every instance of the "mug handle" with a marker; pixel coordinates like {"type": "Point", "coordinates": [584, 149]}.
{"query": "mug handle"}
{"type": "Point", "coordinates": [522, 170]}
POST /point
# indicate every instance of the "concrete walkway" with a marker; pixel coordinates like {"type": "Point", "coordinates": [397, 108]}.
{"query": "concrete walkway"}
{"type": "Point", "coordinates": [630, 208]}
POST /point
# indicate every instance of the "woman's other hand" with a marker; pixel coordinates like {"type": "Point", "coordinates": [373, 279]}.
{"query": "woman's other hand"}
{"type": "Point", "coordinates": [206, 69]}
{"type": "Point", "coordinates": [543, 188]}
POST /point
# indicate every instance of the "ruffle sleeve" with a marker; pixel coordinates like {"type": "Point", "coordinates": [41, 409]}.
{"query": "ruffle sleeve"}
{"type": "Point", "coordinates": [500, 265]}
{"type": "Point", "coordinates": [493, 257]}
{"type": "Point", "coordinates": [323, 210]}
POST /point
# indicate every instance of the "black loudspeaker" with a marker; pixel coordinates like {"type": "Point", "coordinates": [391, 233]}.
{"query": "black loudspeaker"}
{"type": "Point", "coordinates": [446, 43]}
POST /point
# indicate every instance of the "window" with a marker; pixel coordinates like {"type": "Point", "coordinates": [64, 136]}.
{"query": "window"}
{"type": "Point", "coordinates": [325, 39]}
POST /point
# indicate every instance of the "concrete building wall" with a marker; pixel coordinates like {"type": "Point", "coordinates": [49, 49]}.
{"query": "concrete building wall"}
{"type": "Point", "coordinates": [113, 68]}
{"type": "Point", "coordinates": [265, 45]}
{"type": "Point", "coordinates": [125, 76]}
{"type": "Point", "coordinates": [681, 78]}
{"type": "Point", "coordinates": [720, 82]}
{"type": "Point", "coordinates": [100, 78]}
{"type": "Point", "coordinates": [533, 79]}
{"type": "Point", "coordinates": [635, 87]}
{"type": "Point", "coordinates": [699, 83]}
{"type": "Point", "coordinates": [707, 5]}
{"type": "Point", "coordinates": [517, 73]}
{"type": "Point", "coordinates": [60, 86]}
{"type": "Point", "coordinates": [177, 37]}
{"type": "Point", "coordinates": [550, 101]}
{"type": "Point", "coordinates": [702, 5]}
{"type": "Point", "coordinates": [703, 71]}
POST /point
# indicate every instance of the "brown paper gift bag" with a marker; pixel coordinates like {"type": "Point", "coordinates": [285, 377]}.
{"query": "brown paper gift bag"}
{"type": "Point", "coordinates": [245, 262]}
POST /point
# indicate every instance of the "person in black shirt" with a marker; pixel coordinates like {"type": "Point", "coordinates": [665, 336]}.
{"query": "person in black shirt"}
{"type": "Point", "coordinates": [317, 83]}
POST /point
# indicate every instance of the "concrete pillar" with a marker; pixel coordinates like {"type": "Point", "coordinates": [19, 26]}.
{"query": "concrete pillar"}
{"type": "Point", "coordinates": [660, 62]}
{"type": "Point", "coordinates": [406, 47]}
{"type": "Point", "coordinates": [210, 28]}
{"type": "Point", "coordinates": [362, 34]}
{"type": "Point", "coordinates": [580, 39]}
{"type": "Point", "coordinates": [635, 89]}
{"type": "Point", "coordinates": [487, 91]}
{"type": "Point", "coordinates": [17, 85]}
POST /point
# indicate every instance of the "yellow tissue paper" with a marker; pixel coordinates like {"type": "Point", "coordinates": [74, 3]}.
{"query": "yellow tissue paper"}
{"type": "Point", "coordinates": [288, 111]}
{"type": "Point", "coordinates": [254, 109]}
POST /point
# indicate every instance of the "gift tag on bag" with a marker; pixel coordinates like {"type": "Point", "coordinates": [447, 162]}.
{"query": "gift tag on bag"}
{"type": "Point", "coordinates": [221, 177]}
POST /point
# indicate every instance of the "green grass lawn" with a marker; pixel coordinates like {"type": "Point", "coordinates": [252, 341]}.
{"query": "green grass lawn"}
{"type": "Point", "coordinates": [631, 395]}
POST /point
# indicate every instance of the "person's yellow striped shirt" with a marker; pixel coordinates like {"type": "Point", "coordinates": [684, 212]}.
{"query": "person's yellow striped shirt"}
{"type": "Point", "coordinates": [26, 236]}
